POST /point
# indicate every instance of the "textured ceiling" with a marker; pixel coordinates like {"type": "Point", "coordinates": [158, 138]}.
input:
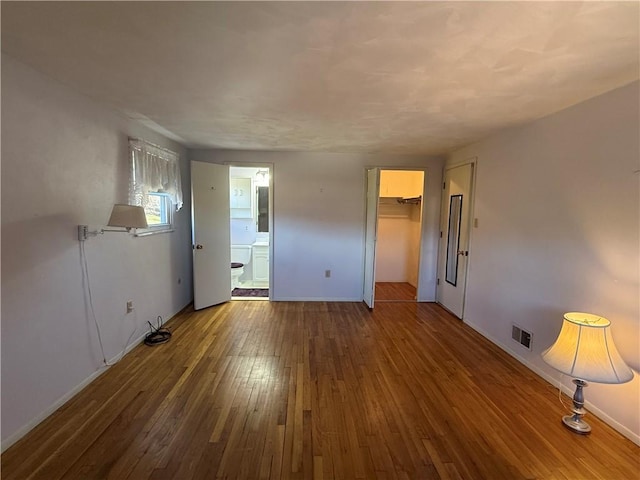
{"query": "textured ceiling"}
{"type": "Point", "coordinates": [416, 77]}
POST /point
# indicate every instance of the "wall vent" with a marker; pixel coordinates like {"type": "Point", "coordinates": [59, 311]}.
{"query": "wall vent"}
{"type": "Point", "coordinates": [521, 336]}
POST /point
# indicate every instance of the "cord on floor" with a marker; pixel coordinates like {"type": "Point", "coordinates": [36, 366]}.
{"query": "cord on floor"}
{"type": "Point", "coordinates": [157, 335]}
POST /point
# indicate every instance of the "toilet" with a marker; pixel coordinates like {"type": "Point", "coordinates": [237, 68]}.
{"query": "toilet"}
{"type": "Point", "coordinates": [240, 256]}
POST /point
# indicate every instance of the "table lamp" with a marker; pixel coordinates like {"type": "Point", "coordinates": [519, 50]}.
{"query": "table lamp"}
{"type": "Point", "coordinates": [585, 350]}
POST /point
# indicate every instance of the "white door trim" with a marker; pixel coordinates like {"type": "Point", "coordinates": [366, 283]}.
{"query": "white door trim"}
{"type": "Point", "coordinates": [370, 235]}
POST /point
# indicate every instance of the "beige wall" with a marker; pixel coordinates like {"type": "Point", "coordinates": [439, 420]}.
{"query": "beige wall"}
{"type": "Point", "coordinates": [319, 219]}
{"type": "Point", "coordinates": [64, 163]}
{"type": "Point", "coordinates": [558, 209]}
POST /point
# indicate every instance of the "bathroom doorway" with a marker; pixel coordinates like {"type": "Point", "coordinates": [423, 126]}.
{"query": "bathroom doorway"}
{"type": "Point", "coordinates": [399, 233]}
{"type": "Point", "coordinates": [250, 224]}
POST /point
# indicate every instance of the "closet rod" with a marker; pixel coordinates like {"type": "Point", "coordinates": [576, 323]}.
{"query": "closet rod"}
{"type": "Point", "coordinates": [410, 201]}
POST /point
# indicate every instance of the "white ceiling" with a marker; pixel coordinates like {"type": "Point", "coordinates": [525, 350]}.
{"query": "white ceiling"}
{"type": "Point", "coordinates": [416, 77]}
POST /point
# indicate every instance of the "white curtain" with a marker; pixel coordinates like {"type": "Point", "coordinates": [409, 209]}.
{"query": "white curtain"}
{"type": "Point", "coordinates": [153, 170]}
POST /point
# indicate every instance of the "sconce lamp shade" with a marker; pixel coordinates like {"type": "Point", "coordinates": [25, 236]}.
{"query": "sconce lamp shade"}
{"type": "Point", "coordinates": [262, 178]}
{"type": "Point", "coordinates": [585, 350]}
{"type": "Point", "coordinates": [129, 216]}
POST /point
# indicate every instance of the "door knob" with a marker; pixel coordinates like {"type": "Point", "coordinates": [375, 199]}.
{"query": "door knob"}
{"type": "Point", "coordinates": [199, 247]}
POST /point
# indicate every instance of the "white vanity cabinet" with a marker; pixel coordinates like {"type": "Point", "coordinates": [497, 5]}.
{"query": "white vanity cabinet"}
{"type": "Point", "coordinates": [260, 262]}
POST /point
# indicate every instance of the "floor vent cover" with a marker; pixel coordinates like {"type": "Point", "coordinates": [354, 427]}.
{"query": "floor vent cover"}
{"type": "Point", "coordinates": [521, 336]}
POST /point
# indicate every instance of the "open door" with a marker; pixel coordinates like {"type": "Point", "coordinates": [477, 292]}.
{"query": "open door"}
{"type": "Point", "coordinates": [210, 234]}
{"type": "Point", "coordinates": [454, 238]}
{"type": "Point", "coordinates": [373, 188]}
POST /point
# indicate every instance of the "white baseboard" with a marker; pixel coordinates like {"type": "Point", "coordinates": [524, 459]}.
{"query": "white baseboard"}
{"type": "Point", "coordinates": [541, 373]}
{"type": "Point", "coordinates": [65, 398]}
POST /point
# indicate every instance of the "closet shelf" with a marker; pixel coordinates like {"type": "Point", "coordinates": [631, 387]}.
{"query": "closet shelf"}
{"type": "Point", "coordinates": [401, 200]}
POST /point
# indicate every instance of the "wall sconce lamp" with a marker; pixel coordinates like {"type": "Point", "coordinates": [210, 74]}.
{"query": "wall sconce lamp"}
{"type": "Point", "coordinates": [262, 178]}
{"type": "Point", "coordinates": [127, 216]}
{"type": "Point", "coordinates": [585, 350]}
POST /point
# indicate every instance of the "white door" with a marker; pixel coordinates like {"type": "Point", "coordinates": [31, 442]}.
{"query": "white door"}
{"type": "Point", "coordinates": [454, 238]}
{"type": "Point", "coordinates": [371, 232]}
{"type": "Point", "coordinates": [211, 234]}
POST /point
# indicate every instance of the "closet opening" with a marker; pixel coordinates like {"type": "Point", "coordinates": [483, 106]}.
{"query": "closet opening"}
{"type": "Point", "coordinates": [399, 233]}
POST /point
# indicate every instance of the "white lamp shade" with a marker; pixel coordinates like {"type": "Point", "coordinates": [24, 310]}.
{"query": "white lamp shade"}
{"type": "Point", "coordinates": [129, 216]}
{"type": "Point", "coordinates": [585, 350]}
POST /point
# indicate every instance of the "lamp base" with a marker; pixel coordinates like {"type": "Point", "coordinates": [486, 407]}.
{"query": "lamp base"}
{"type": "Point", "coordinates": [574, 422]}
{"type": "Point", "coordinates": [576, 425]}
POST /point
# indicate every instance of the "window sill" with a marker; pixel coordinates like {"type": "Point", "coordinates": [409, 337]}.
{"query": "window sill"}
{"type": "Point", "coordinates": [155, 231]}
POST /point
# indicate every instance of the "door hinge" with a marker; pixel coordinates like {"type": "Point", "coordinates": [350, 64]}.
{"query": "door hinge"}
{"type": "Point", "coordinates": [444, 185]}
{"type": "Point", "coordinates": [440, 233]}
{"type": "Point", "coordinates": [438, 281]}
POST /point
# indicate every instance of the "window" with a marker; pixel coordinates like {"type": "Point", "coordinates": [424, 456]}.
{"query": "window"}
{"type": "Point", "coordinates": [158, 210]}
{"type": "Point", "coordinates": [155, 184]}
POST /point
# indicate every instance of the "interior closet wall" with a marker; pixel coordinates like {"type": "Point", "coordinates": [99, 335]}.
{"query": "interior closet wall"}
{"type": "Point", "coordinates": [398, 245]}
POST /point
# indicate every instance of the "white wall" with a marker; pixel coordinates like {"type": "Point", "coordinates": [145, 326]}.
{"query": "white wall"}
{"type": "Point", "coordinates": [64, 163]}
{"type": "Point", "coordinates": [319, 211]}
{"type": "Point", "coordinates": [558, 207]}
{"type": "Point", "coordinates": [398, 245]}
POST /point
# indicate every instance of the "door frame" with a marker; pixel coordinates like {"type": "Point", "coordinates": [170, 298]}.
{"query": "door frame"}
{"type": "Point", "coordinates": [370, 245]}
{"type": "Point", "coordinates": [271, 168]}
{"type": "Point", "coordinates": [423, 279]}
{"type": "Point", "coordinates": [473, 161]}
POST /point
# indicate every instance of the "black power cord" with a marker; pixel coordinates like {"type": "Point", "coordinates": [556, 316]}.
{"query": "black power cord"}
{"type": "Point", "coordinates": [157, 335]}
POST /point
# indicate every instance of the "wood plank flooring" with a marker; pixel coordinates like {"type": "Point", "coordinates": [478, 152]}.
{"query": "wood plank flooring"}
{"type": "Point", "coordinates": [318, 390]}
{"type": "Point", "coordinates": [395, 292]}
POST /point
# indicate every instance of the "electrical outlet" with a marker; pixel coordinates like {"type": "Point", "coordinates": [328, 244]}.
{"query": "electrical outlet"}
{"type": "Point", "coordinates": [82, 232]}
{"type": "Point", "coordinates": [327, 274]}
{"type": "Point", "coordinates": [130, 306]}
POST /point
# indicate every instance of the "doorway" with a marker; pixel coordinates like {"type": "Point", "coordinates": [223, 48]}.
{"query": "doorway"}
{"type": "Point", "coordinates": [399, 233]}
{"type": "Point", "coordinates": [250, 222]}
{"type": "Point", "coordinates": [394, 233]}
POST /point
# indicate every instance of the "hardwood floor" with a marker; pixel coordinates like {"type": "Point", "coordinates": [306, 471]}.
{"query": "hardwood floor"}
{"type": "Point", "coordinates": [395, 292]}
{"type": "Point", "coordinates": [318, 390]}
